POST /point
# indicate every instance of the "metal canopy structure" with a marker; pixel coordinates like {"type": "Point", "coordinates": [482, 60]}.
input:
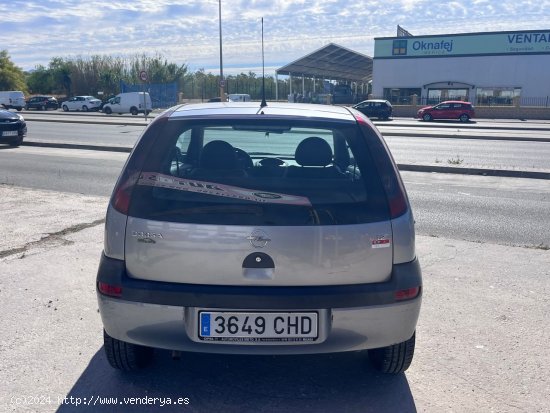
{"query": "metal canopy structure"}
{"type": "Point", "coordinates": [331, 62]}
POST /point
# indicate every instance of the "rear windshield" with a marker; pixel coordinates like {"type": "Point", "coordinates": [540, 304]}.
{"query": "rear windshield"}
{"type": "Point", "coordinates": [259, 173]}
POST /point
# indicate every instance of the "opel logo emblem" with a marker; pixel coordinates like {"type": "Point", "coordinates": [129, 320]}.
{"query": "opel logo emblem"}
{"type": "Point", "coordinates": [258, 238]}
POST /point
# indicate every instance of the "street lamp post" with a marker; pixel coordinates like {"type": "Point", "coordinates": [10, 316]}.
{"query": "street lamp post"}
{"type": "Point", "coordinates": [222, 81]}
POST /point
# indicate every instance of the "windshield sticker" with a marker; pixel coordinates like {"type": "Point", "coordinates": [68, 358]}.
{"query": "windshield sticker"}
{"type": "Point", "coordinates": [212, 188]}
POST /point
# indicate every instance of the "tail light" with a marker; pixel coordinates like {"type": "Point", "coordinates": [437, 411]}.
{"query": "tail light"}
{"type": "Point", "coordinates": [393, 185]}
{"type": "Point", "coordinates": [396, 198]}
{"type": "Point", "coordinates": [122, 193]}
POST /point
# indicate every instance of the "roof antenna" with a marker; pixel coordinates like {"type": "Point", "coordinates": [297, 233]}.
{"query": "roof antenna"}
{"type": "Point", "coordinates": [264, 103]}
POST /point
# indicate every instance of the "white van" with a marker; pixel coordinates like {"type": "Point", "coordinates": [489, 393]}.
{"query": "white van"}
{"type": "Point", "coordinates": [12, 99]}
{"type": "Point", "coordinates": [238, 97]}
{"type": "Point", "coordinates": [131, 102]}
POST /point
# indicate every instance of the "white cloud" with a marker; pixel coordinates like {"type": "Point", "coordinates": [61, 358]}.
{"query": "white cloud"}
{"type": "Point", "coordinates": [187, 31]}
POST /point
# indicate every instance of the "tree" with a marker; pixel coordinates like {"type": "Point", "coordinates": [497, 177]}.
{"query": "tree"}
{"type": "Point", "coordinates": [40, 80]}
{"type": "Point", "coordinates": [158, 68]}
{"type": "Point", "coordinates": [11, 77]}
{"type": "Point", "coordinates": [61, 73]}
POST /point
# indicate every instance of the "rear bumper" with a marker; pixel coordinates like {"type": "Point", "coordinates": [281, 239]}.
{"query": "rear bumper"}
{"type": "Point", "coordinates": [354, 317]}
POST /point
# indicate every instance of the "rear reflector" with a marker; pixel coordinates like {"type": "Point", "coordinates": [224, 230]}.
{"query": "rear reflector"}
{"type": "Point", "coordinates": [407, 294]}
{"type": "Point", "coordinates": [110, 290]}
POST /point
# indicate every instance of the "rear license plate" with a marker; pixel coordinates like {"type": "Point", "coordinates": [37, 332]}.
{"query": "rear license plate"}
{"type": "Point", "coordinates": [9, 133]}
{"type": "Point", "coordinates": [258, 326]}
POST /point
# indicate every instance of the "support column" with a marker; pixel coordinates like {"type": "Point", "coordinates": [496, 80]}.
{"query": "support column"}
{"type": "Point", "coordinates": [290, 83]}
{"type": "Point", "coordinates": [276, 86]}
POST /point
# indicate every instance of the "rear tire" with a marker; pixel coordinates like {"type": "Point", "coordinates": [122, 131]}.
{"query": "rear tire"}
{"type": "Point", "coordinates": [464, 118]}
{"type": "Point", "coordinates": [427, 117]}
{"type": "Point", "coordinates": [65, 108]}
{"type": "Point", "coordinates": [393, 359]}
{"type": "Point", "coordinates": [133, 110]}
{"type": "Point", "coordinates": [84, 108]}
{"type": "Point", "coordinates": [126, 356]}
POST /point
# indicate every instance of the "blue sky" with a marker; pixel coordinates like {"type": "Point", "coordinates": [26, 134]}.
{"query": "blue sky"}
{"type": "Point", "coordinates": [186, 31]}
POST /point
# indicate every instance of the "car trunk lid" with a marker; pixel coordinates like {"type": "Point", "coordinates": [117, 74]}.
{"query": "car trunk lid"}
{"type": "Point", "coordinates": [243, 255]}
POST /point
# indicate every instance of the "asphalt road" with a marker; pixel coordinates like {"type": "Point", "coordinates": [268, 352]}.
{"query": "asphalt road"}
{"type": "Point", "coordinates": [437, 149]}
{"type": "Point", "coordinates": [84, 133]}
{"type": "Point", "coordinates": [477, 122]}
{"type": "Point", "coordinates": [474, 208]}
{"type": "Point", "coordinates": [471, 153]}
{"type": "Point", "coordinates": [66, 170]}
{"type": "Point", "coordinates": [507, 211]}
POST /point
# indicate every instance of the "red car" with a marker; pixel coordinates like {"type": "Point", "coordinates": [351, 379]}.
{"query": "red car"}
{"type": "Point", "coordinates": [450, 109]}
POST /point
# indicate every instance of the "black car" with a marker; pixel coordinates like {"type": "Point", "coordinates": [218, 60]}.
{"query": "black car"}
{"type": "Point", "coordinates": [42, 103]}
{"type": "Point", "coordinates": [12, 128]}
{"type": "Point", "coordinates": [375, 108]}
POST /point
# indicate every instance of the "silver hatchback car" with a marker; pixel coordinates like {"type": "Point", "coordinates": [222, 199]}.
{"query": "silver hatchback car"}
{"type": "Point", "coordinates": [236, 228]}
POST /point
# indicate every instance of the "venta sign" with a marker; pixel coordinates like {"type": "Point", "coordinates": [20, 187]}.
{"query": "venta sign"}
{"type": "Point", "coordinates": [529, 38]}
{"type": "Point", "coordinates": [529, 42]}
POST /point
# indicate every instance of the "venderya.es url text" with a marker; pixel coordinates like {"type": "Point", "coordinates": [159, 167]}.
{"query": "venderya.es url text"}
{"type": "Point", "coordinates": [94, 400]}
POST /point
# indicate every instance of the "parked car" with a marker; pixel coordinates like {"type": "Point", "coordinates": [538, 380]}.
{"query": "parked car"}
{"type": "Point", "coordinates": [13, 128]}
{"type": "Point", "coordinates": [129, 102]}
{"type": "Point", "coordinates": [451, 109]}
{"type": "Point", "coordinates": [12, 99]}
{"type": "Point", "coordinates": [81, 103]}
{"type": "Point", "coordinates": [236, 228]}
{"type": "Point", "coordinates": [238, 97]}
{"type": "Point", "coordinates": [104, 101]}
{"type": "Point", "coordinates": [342, 94]}
{"type": "Point", "coordinates": [375, 108]}
{"type": "Point", "coordinates": [42, 103]}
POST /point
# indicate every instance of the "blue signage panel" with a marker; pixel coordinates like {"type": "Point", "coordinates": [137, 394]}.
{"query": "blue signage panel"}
{"type": "Point", "coordinates": [474, 44]}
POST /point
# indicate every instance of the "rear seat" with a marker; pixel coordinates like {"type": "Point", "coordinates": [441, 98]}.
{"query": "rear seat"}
{"type": "Point", "coordinates": [314, 155]}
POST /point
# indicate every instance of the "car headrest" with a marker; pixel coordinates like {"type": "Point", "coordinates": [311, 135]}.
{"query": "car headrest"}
{"type": "Point", "coordinates": [218, 155]}
{"type": "Point", "coordinates": [313, 151]}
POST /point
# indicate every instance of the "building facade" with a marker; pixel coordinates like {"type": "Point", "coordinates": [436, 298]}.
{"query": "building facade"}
{"type": "Point", "coordinates": [494, 68]}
